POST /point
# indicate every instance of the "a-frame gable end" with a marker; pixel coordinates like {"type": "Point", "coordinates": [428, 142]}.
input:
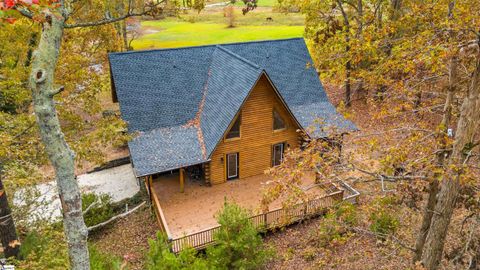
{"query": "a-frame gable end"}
{"type": "Point", "coordinates": [284, 105]}
{"type": "Point", "coordinates": [257, 135]}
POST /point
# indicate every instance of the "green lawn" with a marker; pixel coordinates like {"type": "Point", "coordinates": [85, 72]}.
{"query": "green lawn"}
{"type": "Point", "coordinates": [176, 33]}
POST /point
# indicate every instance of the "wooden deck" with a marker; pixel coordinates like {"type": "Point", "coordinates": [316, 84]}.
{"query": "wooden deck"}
{"type": "Point", "coordinates": [195, 209]}
{"type": "Point", "coordinates": [189, 218]}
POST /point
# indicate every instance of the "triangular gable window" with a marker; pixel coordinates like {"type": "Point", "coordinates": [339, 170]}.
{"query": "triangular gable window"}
{"type": "Point", "coordinates": [278, 122]}
{"type": "Point", "coordinates": [234, 131]}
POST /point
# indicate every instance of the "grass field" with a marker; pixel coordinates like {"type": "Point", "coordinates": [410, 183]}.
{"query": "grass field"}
{"type": "Point", "coordinates": [210, 27]}
{"type": "Point", "coordinates": [175, 33]}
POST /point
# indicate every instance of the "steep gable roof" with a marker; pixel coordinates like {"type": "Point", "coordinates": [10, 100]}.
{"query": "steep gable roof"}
{"type": "Point", "coordinates": [161, 88]}
{"type": "Point", "coordinates": [171, 93]}
{"type": "Point", "coordinates": [231, 79]}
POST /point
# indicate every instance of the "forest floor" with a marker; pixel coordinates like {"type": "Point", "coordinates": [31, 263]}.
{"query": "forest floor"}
{"type": "Point", "coordinates": [128, 237]}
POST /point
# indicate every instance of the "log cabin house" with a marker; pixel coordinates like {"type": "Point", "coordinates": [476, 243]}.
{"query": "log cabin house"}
{"type": "Point", "coordinates": [219, 112]}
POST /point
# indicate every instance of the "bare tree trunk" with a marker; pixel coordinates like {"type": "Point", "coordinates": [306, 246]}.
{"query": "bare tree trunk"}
{"type": "Point", "coordinates": [348, 65]}
{"type": "Point", "coordinates": [467, 128]}
{"type": "Point", "coordinates": [125, 36]}
{"type": "Point", "coordinates": [427, 219]}
{"type": "Point", "coordinates": [8, 233]}
{"type": "Point", "coordinates": [395, 6]}
{"type": "Point", "coordinates": [61, 156]}
{"type": "Point", "coordinates": [348, 89]}
{"type": "Point", "coordinates": [433, 187]}
{"type": "Point", "coordinates": [395, 12]}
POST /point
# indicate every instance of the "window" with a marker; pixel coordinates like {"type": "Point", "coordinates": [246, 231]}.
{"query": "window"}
{"type": "Point", "coordinates": [278, 122]}
{"type": "Point", "coordinates": [234, 131]}
{"type": "Point", "coordinates": [277, 154]}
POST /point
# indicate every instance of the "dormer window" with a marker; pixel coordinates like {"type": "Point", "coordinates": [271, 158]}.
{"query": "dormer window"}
{"type": "Point", "coordinates": [278, 122]}
{"type": "Point", "coordinates": [234, 131]}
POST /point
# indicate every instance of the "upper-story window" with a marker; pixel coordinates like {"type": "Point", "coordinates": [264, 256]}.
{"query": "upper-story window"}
{"type": "Point", "coordinates": [278, 122]}
{"type": "Point", "coordinates": [234, 131]}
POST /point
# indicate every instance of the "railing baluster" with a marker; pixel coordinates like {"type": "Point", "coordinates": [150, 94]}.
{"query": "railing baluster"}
{"type": "Point", "coordinates": [275, 218]}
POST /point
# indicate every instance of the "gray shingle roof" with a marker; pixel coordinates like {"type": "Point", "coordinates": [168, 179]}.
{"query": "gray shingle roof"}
{"type": "Point", "coordinates": [231, 79]}
{"type": "Point", "coordinates": [182, 100]}
{"type": "Point", "coordinates": [165, 149]}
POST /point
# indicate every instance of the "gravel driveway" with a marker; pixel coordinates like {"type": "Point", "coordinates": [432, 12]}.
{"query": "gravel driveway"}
{"type": "Point", "coordinates": [119, 182]}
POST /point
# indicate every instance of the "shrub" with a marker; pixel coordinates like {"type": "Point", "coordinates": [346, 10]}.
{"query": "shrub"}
{"type": "Point", "coordinates": [347, 213]}
{"type": "Point", "coordinates": [102, 211]}
{"type": "Point", "coordinates": [43, 249]}
{"type": "Point", "coordinates": [309, 254]}
{"type": "Point", "coordinates": [334, 226]}
{"type": "Point", "coordinates": [383, 219]}
{"type": "Point", "coordinates": [239, 245]}
{"type": "Point", "coordinates": [103, 261]}
{"type": "Point", "coordinates": [383, 223]}
{"type": "Point", "coordinates": [160, 257]}
{"type": "Point", "coordinates": [329, 231]}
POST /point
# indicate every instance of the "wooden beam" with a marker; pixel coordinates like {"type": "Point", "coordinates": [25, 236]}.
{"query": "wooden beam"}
{"type": "Point", "coordinates": [182, 180]}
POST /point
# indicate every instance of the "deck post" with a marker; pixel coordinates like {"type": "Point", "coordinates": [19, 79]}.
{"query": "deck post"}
{"type": "Point", "coordinates": [182, 180]}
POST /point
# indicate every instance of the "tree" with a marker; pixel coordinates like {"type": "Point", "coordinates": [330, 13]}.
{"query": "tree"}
{"type": "Point", "coordinates": [238, 244]}
{"type": "Point", "coordinates": [161, 257]}
{"type": "Point", "coordinates": [426, 55]}
{"type": "Point", "coordinates": [468, 126]}
{"type": "Point", "coordinates": [8, 233]}
{"type": "Point", "coordinates": [55, 17]}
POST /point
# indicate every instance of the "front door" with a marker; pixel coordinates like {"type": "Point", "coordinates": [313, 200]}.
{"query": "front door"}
{"type": "Point", "coordinates": [277, 154]}
{"type": "Point", "coordinates": [232, 166]}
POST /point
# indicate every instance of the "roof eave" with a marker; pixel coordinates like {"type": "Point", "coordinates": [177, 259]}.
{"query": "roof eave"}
{"type": "Point", "coordinates": [170, 169]}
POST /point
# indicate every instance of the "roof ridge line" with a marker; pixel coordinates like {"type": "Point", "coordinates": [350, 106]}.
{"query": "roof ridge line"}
{"type": "Point", "coordinates": [237, 56]}
{"type": "Point", "coordinates": [203, 46]}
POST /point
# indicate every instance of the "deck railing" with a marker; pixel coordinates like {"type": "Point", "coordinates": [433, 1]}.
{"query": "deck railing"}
{"type": "Point", "coordinates": [161, 220]}
{"type": "Point", "coordinates": [265, 221]}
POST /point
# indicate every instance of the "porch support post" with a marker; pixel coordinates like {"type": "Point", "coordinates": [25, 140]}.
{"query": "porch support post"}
{"type": "Point", "coordinates": [182, 180]}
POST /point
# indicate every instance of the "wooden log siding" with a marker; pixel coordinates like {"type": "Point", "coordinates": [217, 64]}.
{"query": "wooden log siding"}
{"type": "Point", "coordinates": [256, 135]}
{"type": "Point", "coordinates": [275, 218]}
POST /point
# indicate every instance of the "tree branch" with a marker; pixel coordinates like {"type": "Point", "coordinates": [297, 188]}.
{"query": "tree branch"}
{"type": "Point", "coordinates": [393, 238]}
{"type": "Point", "coordinates": [106, 20]}
{"type": "Point", "coordinates": [390, 178]}
{"type": "Point", "coordinates": [91, 228]}
{"type": "Point", "coordinates": [93, 204]}
{"type": "Point", "coordinates": [24, 11]}
{"type": "Point", "coordinates": [57, 91]}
